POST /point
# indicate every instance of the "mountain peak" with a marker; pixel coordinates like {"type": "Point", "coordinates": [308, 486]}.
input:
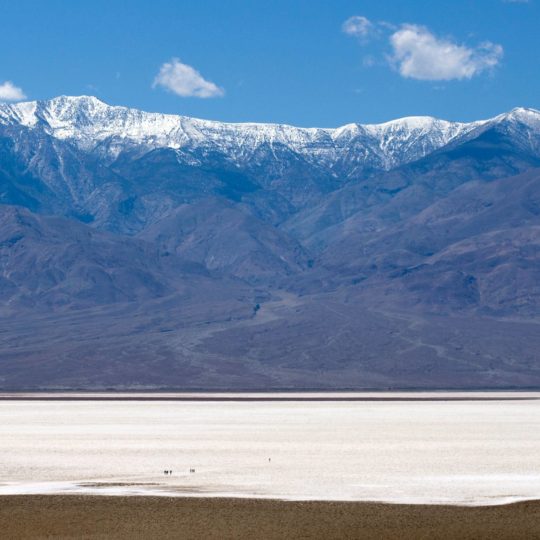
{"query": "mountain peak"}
{"type": "Point", "coordinates": [524, 110]}
{"type": "Point", "coordinates": [410, 122]}
{"type": "Point", "coordinates": [523, 115]}
{"type": "Point", "coordinates": [77, 101]}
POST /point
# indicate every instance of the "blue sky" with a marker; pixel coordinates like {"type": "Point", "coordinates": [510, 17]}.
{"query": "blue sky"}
{"type": "Point", "coordinates": [290, 61]}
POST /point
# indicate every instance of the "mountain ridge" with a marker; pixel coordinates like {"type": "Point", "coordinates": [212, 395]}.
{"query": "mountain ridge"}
{"type": "Point", "coordinates": [74, 118]}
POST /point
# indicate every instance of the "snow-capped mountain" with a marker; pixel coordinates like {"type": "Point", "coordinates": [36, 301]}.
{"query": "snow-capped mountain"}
{"type": "Point", "coordinates": [95, 161]}
{"type": "Point", "coordinates": [139, 247]}
{"type": "Point", "coordinates": [93, 125]}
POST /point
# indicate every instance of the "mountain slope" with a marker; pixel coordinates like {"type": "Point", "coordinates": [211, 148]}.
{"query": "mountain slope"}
{"type": "Point", "coordinates": [140, 250]}
{"type": "Point", "coordinates": [51, 263]}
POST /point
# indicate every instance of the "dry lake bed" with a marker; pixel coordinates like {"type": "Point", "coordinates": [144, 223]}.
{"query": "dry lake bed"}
{"type": "Point", "coordinates": [465, 449]}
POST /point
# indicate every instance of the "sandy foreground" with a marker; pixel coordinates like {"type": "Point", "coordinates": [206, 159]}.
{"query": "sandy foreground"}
{"type": "Point", "coordinates": [100, 517]}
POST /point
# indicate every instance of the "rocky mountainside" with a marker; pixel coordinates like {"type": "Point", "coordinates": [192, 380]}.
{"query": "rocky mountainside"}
{"type": "Point", "coordinates": [142, 250]}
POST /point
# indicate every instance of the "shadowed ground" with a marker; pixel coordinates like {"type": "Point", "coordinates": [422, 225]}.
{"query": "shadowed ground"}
{"type": "Point", "coordinates": [152, 517]}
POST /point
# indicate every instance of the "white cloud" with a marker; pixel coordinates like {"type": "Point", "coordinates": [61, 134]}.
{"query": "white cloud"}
{"type": "Point", "coordinates": [418, 54]}
{"type": "Point", "coordinates": [185, 81]}
{"type": "Point", "coordinates": [358, 26]}
{"type": "Point", "coordinates": [10, 92]}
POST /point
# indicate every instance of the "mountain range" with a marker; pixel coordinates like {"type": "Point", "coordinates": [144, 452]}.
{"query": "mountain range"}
{"type": "Point", "coordinates": [150, 251]}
